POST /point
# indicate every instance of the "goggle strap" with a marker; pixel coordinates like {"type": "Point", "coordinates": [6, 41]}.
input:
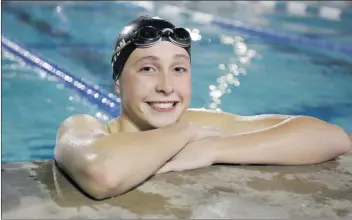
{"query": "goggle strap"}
{"type": "Point", "coordinates": [118, 50]}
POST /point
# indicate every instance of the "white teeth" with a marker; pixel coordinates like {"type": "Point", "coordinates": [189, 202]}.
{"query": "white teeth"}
{"type": "Point", "coordinates": [163, 105]}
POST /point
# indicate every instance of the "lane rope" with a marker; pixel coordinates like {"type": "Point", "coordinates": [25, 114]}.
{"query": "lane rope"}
{"type": "Point", "coordinates": [107, 102]}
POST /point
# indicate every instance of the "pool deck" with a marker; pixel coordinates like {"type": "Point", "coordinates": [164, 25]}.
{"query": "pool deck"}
{"type": "Point", "coordinates": [38, 190]}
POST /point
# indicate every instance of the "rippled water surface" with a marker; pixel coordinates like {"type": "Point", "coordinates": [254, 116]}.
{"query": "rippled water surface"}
{"type": "Point", "coordinates": [232, 71]}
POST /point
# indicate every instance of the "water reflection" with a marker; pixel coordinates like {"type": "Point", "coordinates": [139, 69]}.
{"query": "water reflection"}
{"type": "Point", "coordinates": [230, 72]}
{"type": "Point", "coordinates": [195, 34]}
{"type": "Point", "coordinates": [101, 116]}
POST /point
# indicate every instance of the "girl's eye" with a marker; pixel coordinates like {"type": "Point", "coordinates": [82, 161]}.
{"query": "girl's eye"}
{"type": "Point", "coordinates": [146, 69]}
{"type": "Point", "coordinates": [180, 69]}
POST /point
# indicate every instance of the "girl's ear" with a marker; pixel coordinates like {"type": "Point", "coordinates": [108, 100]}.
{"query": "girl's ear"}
{"type": "Point", "coordinates": [117, 86]}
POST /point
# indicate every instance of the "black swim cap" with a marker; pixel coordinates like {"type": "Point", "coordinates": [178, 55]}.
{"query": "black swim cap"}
{"type": "Point", "coordinates": [119, 60]}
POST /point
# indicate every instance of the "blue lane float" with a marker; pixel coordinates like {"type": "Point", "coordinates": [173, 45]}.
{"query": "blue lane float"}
{"type": "Point", "coordinates": [266, 33]}
{"type": "Point", "coordinates": [284, 37]}
{"type": "Point", "coordinates": [106, 102]}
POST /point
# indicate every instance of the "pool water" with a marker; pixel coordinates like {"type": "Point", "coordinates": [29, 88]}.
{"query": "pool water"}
{"type": "Point", "coordinates": [232, 71]}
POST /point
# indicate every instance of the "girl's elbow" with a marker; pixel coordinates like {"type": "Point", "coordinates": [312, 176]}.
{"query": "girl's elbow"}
{"type": "Point", "coordinates": [101, 183]}
{"type": "Point", "coordinates": [342, 142]}
{"type": "Point", "coordinates": [335, 137]}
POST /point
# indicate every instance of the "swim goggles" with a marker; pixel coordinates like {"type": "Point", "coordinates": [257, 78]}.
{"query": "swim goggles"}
{"type": "Point", "coordinates": [149, 36]}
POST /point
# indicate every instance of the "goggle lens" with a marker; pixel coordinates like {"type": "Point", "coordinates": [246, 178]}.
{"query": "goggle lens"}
{"type": "Point", "coordinates": [182, 34]}
{"type": "Point", "coordinates": [147, 33]}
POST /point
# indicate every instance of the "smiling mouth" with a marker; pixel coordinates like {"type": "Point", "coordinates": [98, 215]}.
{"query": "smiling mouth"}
{"type": "Point", "coordinates": [162, 106]}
